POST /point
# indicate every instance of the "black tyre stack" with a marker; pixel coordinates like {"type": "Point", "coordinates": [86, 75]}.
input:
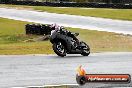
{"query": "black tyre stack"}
{"type": "Point", "coordinates": [38, 29]}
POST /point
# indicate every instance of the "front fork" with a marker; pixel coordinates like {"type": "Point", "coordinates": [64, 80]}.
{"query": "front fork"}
{"type": "Point", "coordinates": [74, 44]}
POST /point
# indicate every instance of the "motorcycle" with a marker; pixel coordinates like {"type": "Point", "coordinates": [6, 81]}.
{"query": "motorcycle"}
{"type": "Point", "coordinates": [65, 42]}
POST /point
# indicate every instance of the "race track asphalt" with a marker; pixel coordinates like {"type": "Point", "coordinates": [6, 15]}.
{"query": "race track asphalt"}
{"type": "Point", "coordinates": [40, 70]}
{"type": "Point", "coordinates": [92, 23]}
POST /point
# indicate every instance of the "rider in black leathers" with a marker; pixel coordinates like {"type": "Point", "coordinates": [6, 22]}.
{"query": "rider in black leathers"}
{"type": "Point", "coordinates": [61, 28]}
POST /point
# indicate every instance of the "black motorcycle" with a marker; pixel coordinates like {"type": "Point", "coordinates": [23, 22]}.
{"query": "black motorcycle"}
{"type": "Point", "coordinates": [65, 42]}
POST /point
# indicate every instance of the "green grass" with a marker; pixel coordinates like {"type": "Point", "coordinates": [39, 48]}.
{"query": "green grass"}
{"type": "Point", "coordinates": [26, 48]}
{"type": "Point", "coordinates": [122, 14]}
{"type": "Point", "coordinates": [12, 31]}
{"type": "Point", "coordinates": [12, 37]}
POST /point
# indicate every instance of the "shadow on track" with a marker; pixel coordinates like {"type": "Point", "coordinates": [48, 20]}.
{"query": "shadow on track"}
{"type": "Point", "coordinates": [71, 57]}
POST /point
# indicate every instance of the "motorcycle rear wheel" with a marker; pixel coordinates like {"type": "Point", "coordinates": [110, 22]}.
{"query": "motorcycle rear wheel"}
{"type": "Point", "coordinates": [59, 49]}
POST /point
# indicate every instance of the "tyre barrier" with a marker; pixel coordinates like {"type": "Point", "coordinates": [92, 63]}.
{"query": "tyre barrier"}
{"type": "Point", "coordinates": [119, 5]}
{"type": "Point", "coordinates": [38, 29]}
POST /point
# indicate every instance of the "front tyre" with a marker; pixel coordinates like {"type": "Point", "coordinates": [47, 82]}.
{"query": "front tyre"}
{"type": "Point", "coordinates": [59, 49]}
{"type": "Point", "coordinates": [85, 53]}
{"type": "Point", "coordinates": [86, 50]}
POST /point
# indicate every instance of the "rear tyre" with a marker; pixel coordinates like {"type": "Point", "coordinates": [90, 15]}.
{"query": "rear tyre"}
{"type": "Point", "coordinates": [86, 50]}
{"type": "Point", "coordinates": [59, 49]}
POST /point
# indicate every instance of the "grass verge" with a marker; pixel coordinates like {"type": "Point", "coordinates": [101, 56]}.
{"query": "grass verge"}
{"type": "Point", "coordinates": [121, 14]}
{"type": "Point", "coordinates": [12, 37]}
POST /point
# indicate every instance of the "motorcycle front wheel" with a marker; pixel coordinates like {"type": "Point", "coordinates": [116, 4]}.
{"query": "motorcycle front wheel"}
{"type": "Point", "coordinates": [59, 49]}
{"type": "Point", "coordinates": [86, 51]}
